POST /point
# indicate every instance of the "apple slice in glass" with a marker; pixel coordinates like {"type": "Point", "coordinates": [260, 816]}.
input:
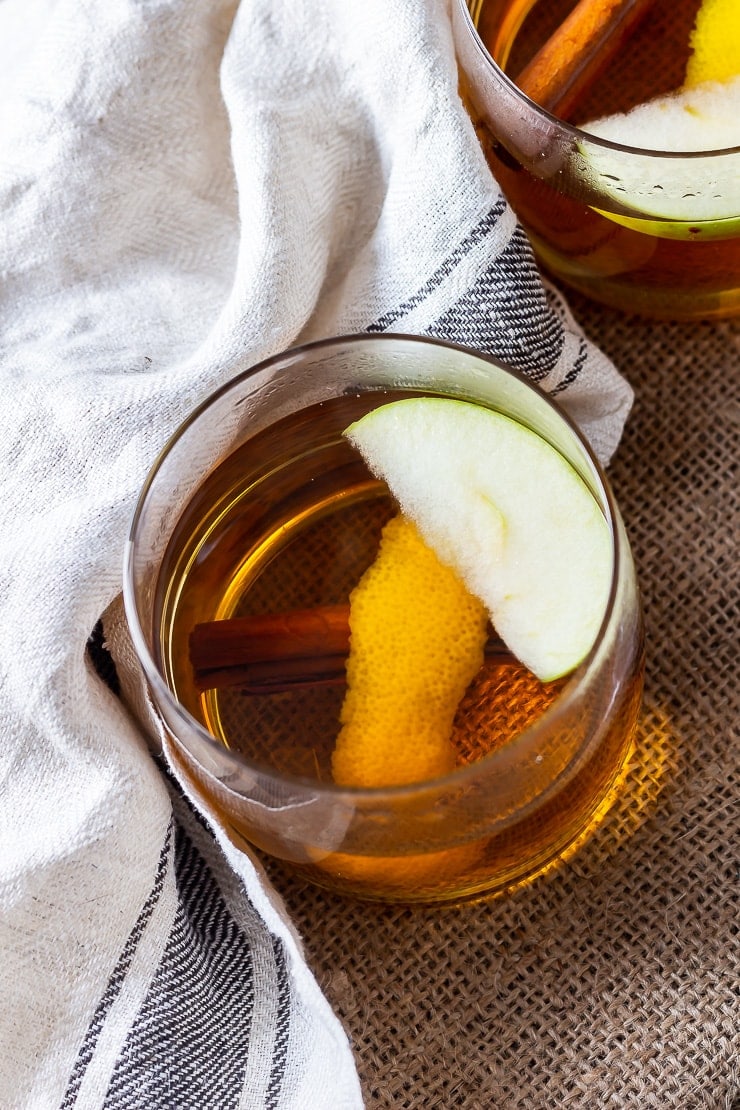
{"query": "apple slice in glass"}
{"type": "Point", "coordinates": [507, 512]}
{"type": "Point", "coordinates": [689, 194]}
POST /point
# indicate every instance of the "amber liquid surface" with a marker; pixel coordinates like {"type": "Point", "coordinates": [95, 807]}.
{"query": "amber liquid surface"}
{"type": "Point", "coordinates": [691, 275]}
{"type": "Point", "coordinates": [291, 520]}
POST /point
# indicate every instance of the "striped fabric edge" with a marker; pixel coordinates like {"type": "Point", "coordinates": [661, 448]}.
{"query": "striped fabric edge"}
{"type": "Point", "coordinates": [502, 309]}
{"type": "Point", "coordinates": [118, 976]}
{"type": "Point", "coordinates": [194, 1037]}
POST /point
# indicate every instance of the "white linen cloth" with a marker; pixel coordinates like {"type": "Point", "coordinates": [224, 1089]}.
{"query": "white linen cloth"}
{"type": "Point", "coordinates": [184, 185]}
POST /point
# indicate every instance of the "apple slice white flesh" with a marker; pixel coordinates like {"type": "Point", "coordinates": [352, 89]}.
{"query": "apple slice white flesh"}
{"type": "Point", "coordinates": [506, 511]}
{"type": "Point", "coordinates": [690, 196]}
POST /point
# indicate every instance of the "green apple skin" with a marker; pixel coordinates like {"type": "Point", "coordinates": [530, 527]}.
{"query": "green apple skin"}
{"type": "Point", "coordinates": [693, 231]}
{"type": "Point", "coordinates": [505, 510]}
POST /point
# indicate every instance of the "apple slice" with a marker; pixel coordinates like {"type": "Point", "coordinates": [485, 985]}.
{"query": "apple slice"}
{"type": "Point", "coordinates": [676, 198]}
{"type": "Point", "coordinates": [507, 512]}
{"type": "Point", "coordinates": [700, 118]}
{"type": "Point", "coordinates": [687, 197]}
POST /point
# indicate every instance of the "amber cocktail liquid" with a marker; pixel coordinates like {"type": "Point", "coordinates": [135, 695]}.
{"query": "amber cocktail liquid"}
{"type": "Point", "coordinates": [682, 264]}
{"type": "Point", "coordinates": [290, 521]}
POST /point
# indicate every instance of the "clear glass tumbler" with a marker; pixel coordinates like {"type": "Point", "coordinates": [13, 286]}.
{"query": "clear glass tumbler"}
{"type": "Point", "coordinates": [645, 230]}
{"type": "Point", "coordinates": [259, 505]}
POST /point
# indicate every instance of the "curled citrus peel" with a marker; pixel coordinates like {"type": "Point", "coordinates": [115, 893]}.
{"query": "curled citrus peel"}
{"type": "Point", "coordinates": [715, 43]}
{"type": "Point", "coordinates": [417, 640]}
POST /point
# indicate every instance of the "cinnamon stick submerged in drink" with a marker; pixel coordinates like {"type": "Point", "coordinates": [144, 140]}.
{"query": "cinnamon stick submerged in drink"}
{"type": "Point", "coordinates": [275, 652]}
{"type": "Point", "coordinates": [272, 652]}
{"type": "Point", "coordinates": [568, 63]}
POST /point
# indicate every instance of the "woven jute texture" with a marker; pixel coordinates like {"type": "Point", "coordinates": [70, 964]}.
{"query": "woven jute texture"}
{"type": "Point", "coordinates": [615, 981]}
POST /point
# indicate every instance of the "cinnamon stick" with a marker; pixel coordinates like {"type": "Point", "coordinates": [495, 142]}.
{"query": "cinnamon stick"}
{"type": "Point", "coordinates": [571, 59]}
{"type": "Point", "coordinates": [275, 676]}
{"type": "Point", "coordinates": [275, 652]}
{"type": "Point", "coordinates": [295, 634]}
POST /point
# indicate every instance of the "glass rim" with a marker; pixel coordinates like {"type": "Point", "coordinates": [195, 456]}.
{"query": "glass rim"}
{"type": "Point", "coordinates": [576, 680]}
{"type": "Point", "coordinates": [577, 134]}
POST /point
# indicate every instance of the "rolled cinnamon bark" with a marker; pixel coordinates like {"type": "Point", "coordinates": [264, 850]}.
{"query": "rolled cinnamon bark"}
{"type": "Point", "coordinates": [571, 59]}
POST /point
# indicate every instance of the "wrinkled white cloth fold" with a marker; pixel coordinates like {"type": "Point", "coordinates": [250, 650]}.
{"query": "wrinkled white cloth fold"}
{"type": "Point", "coordinates": [187, 186]}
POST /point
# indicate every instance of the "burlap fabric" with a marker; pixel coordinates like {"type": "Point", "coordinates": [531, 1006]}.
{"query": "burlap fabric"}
{"type": "Point", "coordinates": [613, 983]}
